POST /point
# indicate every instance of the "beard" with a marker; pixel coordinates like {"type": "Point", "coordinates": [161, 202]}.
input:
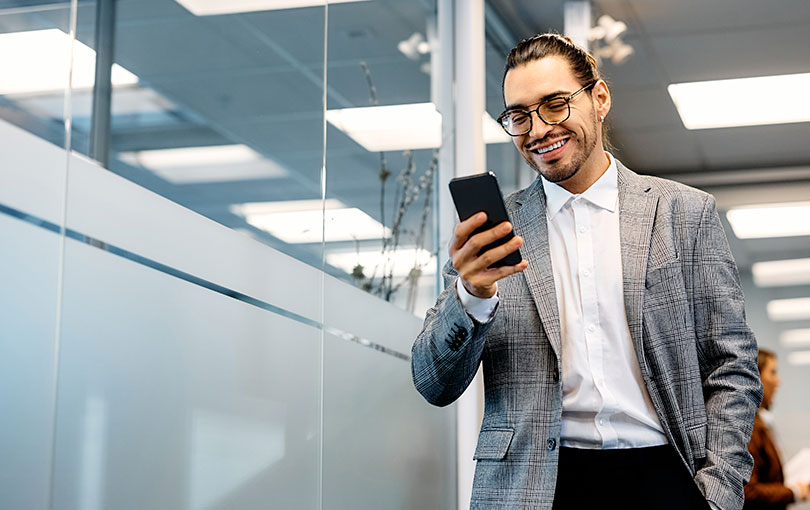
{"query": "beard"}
{"type": "Point", "coordinates": [558, 171]}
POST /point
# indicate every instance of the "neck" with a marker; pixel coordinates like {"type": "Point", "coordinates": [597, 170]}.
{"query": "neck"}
{"type": "Point", "coordinates": [590, 172]}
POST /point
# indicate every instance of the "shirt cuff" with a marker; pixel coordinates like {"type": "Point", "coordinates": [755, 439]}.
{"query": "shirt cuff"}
{"type": "Point", "coordinates": [478, 308]}
{"type": "Point", "coordinates": [713, 506]}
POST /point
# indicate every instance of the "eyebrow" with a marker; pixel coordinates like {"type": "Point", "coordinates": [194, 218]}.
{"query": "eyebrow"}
{"type": "Point", "coordinates": [542, 99]}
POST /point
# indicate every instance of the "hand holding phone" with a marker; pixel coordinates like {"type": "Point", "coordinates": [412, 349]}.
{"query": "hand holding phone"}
{"type": "Point", "coordinates": [484, 249]}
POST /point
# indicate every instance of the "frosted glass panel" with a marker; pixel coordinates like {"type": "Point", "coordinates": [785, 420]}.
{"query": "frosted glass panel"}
{"type": "Point", "coordinates": [173, 396]}
{"type": "Point", "coordinates": [28, 272]}
{"type": "Point", "coordinates": [384, 447]}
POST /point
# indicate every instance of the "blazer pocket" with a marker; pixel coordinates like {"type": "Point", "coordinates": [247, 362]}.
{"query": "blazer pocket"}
{"type": "Point", "coordinates": [697, 441]}
{"type": "Point", "coordinates": [493, 443]}
{"type": "Point", "coordinates": [661, 274]}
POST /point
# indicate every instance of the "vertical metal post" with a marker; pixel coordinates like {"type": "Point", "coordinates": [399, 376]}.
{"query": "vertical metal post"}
{"type": "Point", "coordinates": [470, 157]}
{"type": "Point", "coordinates": [102, 90]}
{"type": "Point", "coordinates": [577, 21]}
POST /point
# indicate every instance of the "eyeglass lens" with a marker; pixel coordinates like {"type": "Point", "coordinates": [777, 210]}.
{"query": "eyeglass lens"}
{"type": "Point", "coordinates": [552, 112]}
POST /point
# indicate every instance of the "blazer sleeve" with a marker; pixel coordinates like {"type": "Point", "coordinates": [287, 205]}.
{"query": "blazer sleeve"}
{"type": "Point", "coordinates": [761, 487]}
{"type": "Point", "coordinates": [446, 354]}
{"type": "Point", "coordinates": [727, 352]}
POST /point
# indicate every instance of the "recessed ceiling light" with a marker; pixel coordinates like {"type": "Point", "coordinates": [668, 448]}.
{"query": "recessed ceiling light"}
{"type": "Point", "coordinates": [770, 220]}
{"type": "Point", "coordinates": [38, 61]}
{"type": "Point", "coordinates": [743, 102]}
{"type": "Point", "coordinates": [402, 127]}
{"type": "Point", "coordinates": [795, 309]}
{"type": "Point", "coordinates": [399, 263]}
{"type": "Point", "coordinates": [214, 7]}
{"type": "Point", "coordinates": [799, 358]}
{"type": "Point", "coordinates": [302, 221]}
{"type": "Point", "coordinates": [126, 101]}
{"type": "Point", "coordinates": [780, 273]}
{"type": "Point", "coordinates": [206, 164]}
{"type": "Point", "coordinates": [795, 338]}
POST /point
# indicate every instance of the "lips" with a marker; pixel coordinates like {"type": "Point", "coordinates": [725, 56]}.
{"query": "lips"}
{"type": "Point", "coordinates": [551, 150]}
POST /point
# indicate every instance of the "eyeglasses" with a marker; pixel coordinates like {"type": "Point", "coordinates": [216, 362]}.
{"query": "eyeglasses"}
{"type": "Point", "coordinates": [517, 122]}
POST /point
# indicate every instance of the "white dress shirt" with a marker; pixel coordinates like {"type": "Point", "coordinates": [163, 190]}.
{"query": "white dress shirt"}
{"type": "Point", "coordinates": [605, 402]}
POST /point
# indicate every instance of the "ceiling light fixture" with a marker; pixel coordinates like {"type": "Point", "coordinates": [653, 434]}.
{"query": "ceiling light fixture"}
{"type": "Point", "coordinates": [399, 262]}
{"type": "Point", "coordinates": [799, 358]}
{"type": "Point", "coordinates": [794, 309]}
{"type": "Point", "coordinates": [606, 40]}
{"type": "Point", "coordinates": [217, 163]}
{"type": "Point", "coordinates": [302, 221]}
{"type": "Point", "coordinates": [37, 62]}
{"type": "Point", "coordinates": [402, 127]}
{"type": "Point", "coordinates": [215, 7]}
{"type": "Point", "coordinates": [718, 103]}
{"type": "Point", "coordinates": [780, 273]}
{"type": "Point", "coordinates": [795, 338]}
{"type": "Point", "coordinates": [787, 219]}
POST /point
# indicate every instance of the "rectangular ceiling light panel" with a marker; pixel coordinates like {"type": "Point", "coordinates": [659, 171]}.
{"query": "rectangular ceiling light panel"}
{"type": "Point", "coordinates": [402, 127]}
{"type": "Point", "coordinates": [215, 7]}
{"type": "Point", "coordinates": [303, 221]}
{"type": "Point", "coordinates": [787, 219]}
{"type": "Point", "coordinates": [795, 309]}
{"type": "Point", "coordinates": [38, 61]}
{"type": "Point", "coordinates": [399, 263]}
{"type": "Point", "coordinates": [781, 273]}
{"type": "Point", "coordinates": [743, 102]}
{"type": "Point", "coordinates": [799, 358]}
{"type": "Point", "coordinates": [218, 163]}
{"type": "Point", "coordinates": [795, 338]}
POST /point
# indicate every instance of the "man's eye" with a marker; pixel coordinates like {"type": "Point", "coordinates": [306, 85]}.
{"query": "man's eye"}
{"type": "Point", "coordinates": [555, 106]}
{"type": "Point", "coordinates": [518, 117]}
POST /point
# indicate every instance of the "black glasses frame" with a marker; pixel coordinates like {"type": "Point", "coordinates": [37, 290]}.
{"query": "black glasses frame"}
{"type": "Point", "coordinates": [502, 118]}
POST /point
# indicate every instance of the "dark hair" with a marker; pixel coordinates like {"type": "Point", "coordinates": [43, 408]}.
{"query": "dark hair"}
{"type": "Point", "coordinates": [550, 44]}
{"type": "Point", "coordinates": [762, 358]}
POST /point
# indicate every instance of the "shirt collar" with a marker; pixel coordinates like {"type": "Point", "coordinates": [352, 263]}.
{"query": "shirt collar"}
{"type": "Point", "coordinates": [603, 193]}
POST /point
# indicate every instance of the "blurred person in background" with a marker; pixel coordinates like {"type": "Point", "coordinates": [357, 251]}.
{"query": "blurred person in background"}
{"type": "Point", "coordinates": [767, 490]}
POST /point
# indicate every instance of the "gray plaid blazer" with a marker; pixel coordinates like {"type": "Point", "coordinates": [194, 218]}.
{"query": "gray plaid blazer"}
{"type": "Point", "coordinates": [684, 306]}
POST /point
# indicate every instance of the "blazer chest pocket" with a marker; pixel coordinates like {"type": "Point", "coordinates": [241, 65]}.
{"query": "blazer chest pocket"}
{"type": "Point", "coordinates": [493, 443]}
{"type": "Point", "coordinates": [668, 273]}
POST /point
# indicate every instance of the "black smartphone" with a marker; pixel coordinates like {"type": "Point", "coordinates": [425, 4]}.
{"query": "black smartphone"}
{"type": "Point", "coordinates": [475, 193]}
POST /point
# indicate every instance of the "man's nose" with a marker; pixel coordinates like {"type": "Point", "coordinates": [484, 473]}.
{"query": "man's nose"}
{"type": "Point", "coordinates": [539, 128]}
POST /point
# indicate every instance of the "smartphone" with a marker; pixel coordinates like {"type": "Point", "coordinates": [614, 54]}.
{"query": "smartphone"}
{"type": "Point", "coordinates": [480, 192]}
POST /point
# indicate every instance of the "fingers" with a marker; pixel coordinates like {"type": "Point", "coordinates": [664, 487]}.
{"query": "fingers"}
{"type": "Point", "coordinates": [473, 245]}
{"type": "Point", "coordinates": [465, 228]}
{"type": "Point", "coordinates": [484, 284]}
{"type": "Point", "coordinates": [493, 255]}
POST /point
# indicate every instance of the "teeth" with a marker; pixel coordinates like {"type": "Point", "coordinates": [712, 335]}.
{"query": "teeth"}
{"type": "Point", "coordinates": [551, 147]}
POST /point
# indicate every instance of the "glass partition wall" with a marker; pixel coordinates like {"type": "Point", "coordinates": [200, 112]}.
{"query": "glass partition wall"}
{"type": "Point", "coordinates": [213, 283]}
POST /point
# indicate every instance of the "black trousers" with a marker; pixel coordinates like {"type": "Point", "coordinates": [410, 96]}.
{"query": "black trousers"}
{"type": "Point", "coordinates": [651, 478]}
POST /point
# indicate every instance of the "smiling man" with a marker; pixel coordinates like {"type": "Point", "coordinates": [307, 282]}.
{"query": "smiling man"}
{"type": "Point", "coordinates": [619, 371]}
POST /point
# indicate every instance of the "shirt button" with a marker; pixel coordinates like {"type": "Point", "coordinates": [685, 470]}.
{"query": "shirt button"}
{"type": "Point", "coordinates": [601, 421]}
{"type": "Point", "coordinates": [591, 328]}
{"type": "Point", "coordinates": [583, 229]}
{"type": "Point", "coordinates": [551, 443]}
{"type": "Point", "coordinates": [587, 272]}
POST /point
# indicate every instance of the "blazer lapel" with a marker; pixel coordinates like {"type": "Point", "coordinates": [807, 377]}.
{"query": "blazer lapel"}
{"type": "Point", "coordinates": [530, 222]}
{"type": "Point", "coordinates": [637, 206]}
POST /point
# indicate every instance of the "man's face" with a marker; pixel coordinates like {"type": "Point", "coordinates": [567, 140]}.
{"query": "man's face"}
{"type": "Point", "coordinates": [528, 84]}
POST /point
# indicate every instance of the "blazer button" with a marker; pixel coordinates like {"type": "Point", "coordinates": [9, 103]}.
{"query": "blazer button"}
{"type": "Point", "coordinates": [551, 443]}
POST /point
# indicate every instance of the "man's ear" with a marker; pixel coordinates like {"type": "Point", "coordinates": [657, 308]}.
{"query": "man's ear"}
{"type": "Point", "coordinates": [601, 98]}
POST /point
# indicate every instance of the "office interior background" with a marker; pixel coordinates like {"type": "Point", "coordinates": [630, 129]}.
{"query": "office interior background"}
{"type": "Point", "coordinates": [222, 225]}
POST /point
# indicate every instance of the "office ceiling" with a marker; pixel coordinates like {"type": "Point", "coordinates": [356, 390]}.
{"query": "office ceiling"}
{"type": "Point", "coordinates": [256, 79]}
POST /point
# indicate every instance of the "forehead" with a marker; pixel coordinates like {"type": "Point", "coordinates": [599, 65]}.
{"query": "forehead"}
{"type": "Point", "coordinates": [526, 83]}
